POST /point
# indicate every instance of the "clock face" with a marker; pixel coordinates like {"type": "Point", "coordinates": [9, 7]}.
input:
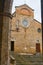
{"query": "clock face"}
{"type": "Point", "coordinates": [25, 23]}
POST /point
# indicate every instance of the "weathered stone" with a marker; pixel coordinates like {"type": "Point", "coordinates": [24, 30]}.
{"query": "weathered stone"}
{"type": "Point", "coordinates": [26, 38]}
{"type": "Point", "coordinates": [5, 17]}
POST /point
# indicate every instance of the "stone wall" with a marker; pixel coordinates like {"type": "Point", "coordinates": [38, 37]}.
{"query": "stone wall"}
{"type": "Point", "coordinates": [25, 42]}
{"type": "Point", "coordinates": [1, 24]}
{"type": "Point", "coordinates": [5, 17]}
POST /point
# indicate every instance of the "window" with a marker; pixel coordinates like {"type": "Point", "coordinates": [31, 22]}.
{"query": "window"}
{"type": "Point", "coordinates": [39, 30]}
{"type": "Point", "coordinates": [25, 23]}
{"type": "Point", "coordinates": [12, 45]}
{"type": "Point", "coordinates": [17, 26]}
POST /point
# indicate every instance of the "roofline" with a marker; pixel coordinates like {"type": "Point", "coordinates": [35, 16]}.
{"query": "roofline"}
{"type": "Point", "coordinates": [26, 5]}
{"type": "Point", "coordinates": [13, 14]}
{"type": "Point", "coordinates": [37, 21]}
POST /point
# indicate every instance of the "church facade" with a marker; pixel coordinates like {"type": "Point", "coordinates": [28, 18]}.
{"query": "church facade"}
{"type": "Point", "coordinates": [26, 32]}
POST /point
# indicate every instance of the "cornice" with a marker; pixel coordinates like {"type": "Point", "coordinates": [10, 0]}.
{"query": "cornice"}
{"type": "Point", "coordinates": [6, 14]}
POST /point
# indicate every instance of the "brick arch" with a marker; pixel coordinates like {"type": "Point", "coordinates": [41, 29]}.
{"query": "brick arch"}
{"type": "Point", "coordinates": [25, 11]}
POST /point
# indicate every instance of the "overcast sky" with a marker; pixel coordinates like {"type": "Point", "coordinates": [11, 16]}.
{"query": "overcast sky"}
{"type": "Point", "coordinates": [34, 4]}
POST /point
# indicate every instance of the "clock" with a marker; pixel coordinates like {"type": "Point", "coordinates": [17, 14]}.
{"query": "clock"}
{"type": "Point", "coordinates": [25, 23]}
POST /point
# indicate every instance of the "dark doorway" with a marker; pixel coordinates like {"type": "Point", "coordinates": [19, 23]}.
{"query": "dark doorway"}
{"type": "Point", "coordinates": [12, 45]}
{"type": "Point", "coordinates": [37, 47]}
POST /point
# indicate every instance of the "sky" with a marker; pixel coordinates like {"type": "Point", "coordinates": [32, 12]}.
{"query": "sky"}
{"type": "Point", "coordinates": [34, 4]}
